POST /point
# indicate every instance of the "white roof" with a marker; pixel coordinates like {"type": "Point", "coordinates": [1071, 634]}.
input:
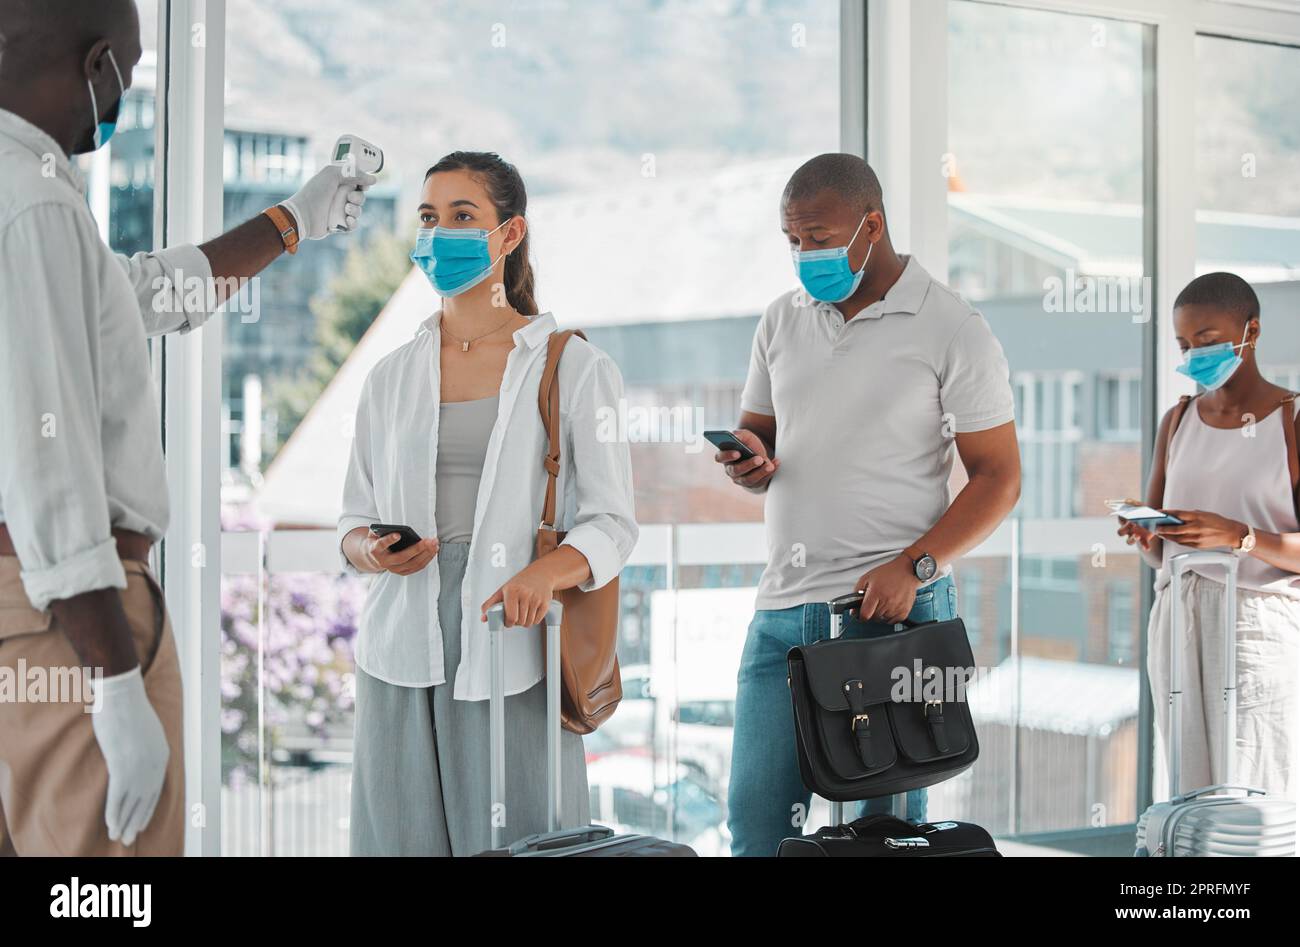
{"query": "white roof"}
{"type": "Point", "coordinates": [304, 484]}
{"type": "Point", "coordinates": [657, 250]}
{"type": "Point", "coordinates": [1060, 696]}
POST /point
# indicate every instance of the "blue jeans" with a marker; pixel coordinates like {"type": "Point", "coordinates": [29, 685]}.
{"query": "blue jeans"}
{"type": "Point", "coordinates": [766, 792]}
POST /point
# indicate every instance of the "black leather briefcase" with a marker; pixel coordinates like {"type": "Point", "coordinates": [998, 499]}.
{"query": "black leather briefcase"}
{"type": "Point", "coordinates": [879, 716]}
{"type": "Point", "coordinates": [883, 836]}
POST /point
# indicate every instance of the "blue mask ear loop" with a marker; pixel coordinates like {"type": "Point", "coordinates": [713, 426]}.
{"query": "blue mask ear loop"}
{"type": "Point", "coordinates": [94, 105]}
{"type": "Point", "coordinates": [870, 246]}
{"type": "Point", "coordinates": [493, 264]}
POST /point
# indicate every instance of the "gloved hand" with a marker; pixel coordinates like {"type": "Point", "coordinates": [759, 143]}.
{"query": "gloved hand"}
{"type": "Point", "coordinates": [330, 199]}
{"type": "Point", "coordinates": [131, 737]}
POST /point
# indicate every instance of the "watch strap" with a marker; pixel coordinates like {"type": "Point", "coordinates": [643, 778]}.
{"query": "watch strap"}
{"type": "Point", "coordinates": [286, 225]}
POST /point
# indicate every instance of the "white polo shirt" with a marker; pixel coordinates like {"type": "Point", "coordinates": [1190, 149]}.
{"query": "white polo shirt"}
{"type": "Point", "coordinates": [866, 413]}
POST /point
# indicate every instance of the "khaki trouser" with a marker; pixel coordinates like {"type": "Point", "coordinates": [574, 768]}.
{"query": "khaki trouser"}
{"type": "Point", "coordinates": [53, 779]}
{"type": "Point", "coordinates": [1268, 649]}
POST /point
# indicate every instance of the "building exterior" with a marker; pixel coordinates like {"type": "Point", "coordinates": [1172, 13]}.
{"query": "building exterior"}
{"type": "Point", "coordinates": [261, 167]}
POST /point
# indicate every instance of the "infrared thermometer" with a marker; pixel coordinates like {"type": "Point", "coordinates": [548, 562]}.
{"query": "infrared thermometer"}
{"type": "Point", "coordinates": [355, 154]}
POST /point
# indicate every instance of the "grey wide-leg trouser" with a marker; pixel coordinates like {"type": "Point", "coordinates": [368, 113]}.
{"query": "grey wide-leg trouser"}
{"type": "Point", "coordinates": [420, 764]}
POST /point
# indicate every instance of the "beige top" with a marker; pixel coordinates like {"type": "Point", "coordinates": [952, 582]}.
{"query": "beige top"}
{"type": "Point", "coordinates": [463, 439]}
{"type": "Point", "coordinates": [1240, 473]}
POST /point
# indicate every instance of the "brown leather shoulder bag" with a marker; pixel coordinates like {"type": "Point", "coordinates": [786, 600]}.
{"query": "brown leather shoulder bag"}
{"type": "Point", "coordinates": [591, 687]}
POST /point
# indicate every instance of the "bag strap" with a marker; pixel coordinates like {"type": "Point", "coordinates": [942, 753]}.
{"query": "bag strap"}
{"type": "Point", "coordinates": [548, 402]}
{"type": "Point", "coordinates": [1292, 455]}
{"type": "Point", "coordinates": [1180, 410]}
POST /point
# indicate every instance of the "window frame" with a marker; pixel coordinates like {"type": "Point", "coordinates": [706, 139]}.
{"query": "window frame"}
{"type": "Point", "coordinates": [907, 119]}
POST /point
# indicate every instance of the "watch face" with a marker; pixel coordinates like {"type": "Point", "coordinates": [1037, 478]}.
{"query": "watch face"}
{"type": "Point", "coordinates": [926, 567]}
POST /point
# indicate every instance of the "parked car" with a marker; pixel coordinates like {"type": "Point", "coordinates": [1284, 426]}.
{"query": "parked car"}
{"type": "Point", "coordinates": [626, 796]}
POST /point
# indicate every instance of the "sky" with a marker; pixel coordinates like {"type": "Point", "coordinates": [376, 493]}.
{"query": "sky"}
{"type": "Point", "coordinates": [586, 94]}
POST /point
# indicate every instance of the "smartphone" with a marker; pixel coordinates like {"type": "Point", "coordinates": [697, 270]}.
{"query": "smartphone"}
{"type": "Point", "coordinates": [409, 536]}
{"type": "Point", "coordinates": [1144, 516]}
{"type": "Point", "coordinates": [726, 440]}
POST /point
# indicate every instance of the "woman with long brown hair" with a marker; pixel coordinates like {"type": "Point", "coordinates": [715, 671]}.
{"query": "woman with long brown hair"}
{"type": "Point", "coordinates": [450, 442]}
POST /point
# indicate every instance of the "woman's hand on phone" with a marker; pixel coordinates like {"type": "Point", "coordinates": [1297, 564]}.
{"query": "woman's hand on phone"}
{"type": "Point", "coordinates": [409, 561]}
{"type": "Point", "coordinates": [1201, 530]}
{"type": "Point", "coordinates": [752, 473]}
{"type": "Point", "coordinates": [526, 597]}
{"type": "Point", "coordinates": [1133, 533]}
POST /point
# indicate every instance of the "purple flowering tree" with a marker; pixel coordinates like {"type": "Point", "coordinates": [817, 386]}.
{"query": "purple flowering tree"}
{"type": "Point", "coordinates": [307, 636]}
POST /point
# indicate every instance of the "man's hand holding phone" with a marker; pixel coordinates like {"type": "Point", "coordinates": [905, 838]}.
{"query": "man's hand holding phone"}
{"type": "Point", "coordinates": [378, 551]}
{"type": "Point", "coordinates": [754, 472]}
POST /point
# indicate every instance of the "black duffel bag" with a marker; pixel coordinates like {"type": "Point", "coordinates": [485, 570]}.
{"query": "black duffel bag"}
{"type": "Point", "coordinates": [883, 836]}
{"type": "Point", "coordinates": [861, 730]}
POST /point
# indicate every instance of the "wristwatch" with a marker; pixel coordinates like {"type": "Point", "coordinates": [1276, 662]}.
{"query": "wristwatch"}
{"type": "Point", "coordinates": [287, 226]}
{"type": "Point", "coordinates": [923, 565]}
{"type": "Point", "coordinates": [1247, 542]}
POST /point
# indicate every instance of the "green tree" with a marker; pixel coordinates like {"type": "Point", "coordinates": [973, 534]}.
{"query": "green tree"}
{"type": "Point", "coordinates": [351, 302]}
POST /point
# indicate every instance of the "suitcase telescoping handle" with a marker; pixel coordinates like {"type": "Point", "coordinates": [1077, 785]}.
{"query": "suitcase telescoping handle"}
{"type": "Point", "coordinates": [1177, 566]}
{"type": "Point", "coordinates": [839, 607]}
{"type": "Point", "coordinates": [497, 631]}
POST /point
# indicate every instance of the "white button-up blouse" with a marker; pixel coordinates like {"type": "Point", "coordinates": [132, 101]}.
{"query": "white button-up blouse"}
{"type": "Point", "coordinates": [391, 479]}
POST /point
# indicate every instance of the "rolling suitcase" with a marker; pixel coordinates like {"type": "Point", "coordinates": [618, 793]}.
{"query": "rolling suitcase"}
{"type": "Point", "coordinates": [884, 835]}
{"type": "Point", "coordinates": [588, 841]}
{"type": "Point", "coordinates": [1212, 821]}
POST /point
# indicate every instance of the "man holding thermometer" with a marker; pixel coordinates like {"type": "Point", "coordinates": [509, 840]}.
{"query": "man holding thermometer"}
{"type": "Point", "coordinates": [83, 492]}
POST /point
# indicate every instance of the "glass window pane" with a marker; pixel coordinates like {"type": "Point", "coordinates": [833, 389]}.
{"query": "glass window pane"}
{"type": "Point", "coordinates": [654, 193]}
{"type": "Point", "coordinates": [1248, 184]}
{"type": "Point", "coordinates": [1046, 238]}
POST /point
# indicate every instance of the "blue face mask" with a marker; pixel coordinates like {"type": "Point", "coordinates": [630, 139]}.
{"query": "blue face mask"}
{"type": "Point", "coordinates": [1210, 366]}
{"type": "Point", "coordinates": [454, 259]}
{"type": "Point", "coordinates": [104, 130]}
{"type": "Point", "coordinates": [826, 274]}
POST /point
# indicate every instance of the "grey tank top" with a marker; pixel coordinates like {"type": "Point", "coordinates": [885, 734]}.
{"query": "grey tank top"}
{"type": "Point", "coordinates": [464, 428]}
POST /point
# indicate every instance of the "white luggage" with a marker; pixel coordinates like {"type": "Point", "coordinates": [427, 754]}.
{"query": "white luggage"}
{"type": "Point", "coordinates": [1223, 819]}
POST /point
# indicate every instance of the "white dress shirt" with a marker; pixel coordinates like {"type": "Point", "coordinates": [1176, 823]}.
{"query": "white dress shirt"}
{"type": "Point", "coordinates": [391, 479]}
{"type": "Point", "coordinates": [80, 438]}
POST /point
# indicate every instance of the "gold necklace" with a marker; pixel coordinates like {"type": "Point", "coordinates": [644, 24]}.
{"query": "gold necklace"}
{"type": "Point", "coordinates": [465, 343]}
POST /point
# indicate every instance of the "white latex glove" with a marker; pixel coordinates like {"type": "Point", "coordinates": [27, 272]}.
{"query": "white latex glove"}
{"type": "Point", "coordinates": [329, 203]}
{"type": "Point", "coordinates": [131, 737]}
